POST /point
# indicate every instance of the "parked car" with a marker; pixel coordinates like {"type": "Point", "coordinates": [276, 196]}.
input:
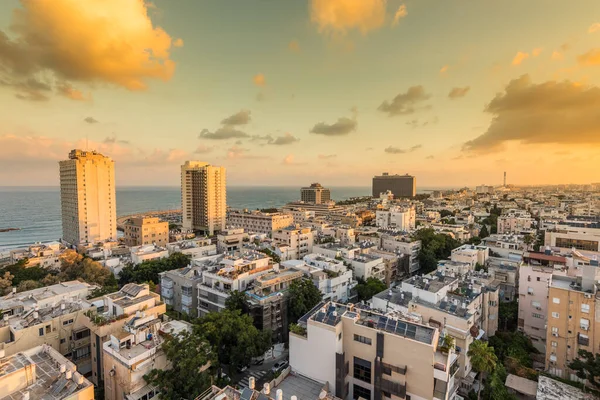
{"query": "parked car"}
{"type": "Point", "coordinates": [280, 366]}
{"type": "Point", "coordinates": [258, 361]}
{"type": "Point", "coordinates": [242, 368]}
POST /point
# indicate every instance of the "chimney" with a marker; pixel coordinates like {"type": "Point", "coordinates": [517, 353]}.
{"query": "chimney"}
{"type": "Point", "coordinates": [279, 394]}
{"type": "Point", "coordinates": [78, 378]}
{"type": "Point", "coordinates": [294, 398]}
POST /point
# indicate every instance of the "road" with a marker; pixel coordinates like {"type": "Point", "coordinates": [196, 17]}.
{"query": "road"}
{"type": "Point", "coordinates": [259, 372]}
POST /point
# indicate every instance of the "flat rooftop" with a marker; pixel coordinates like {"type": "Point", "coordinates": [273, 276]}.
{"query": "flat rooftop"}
{"type": "Point", "coordinates": [550, 389]}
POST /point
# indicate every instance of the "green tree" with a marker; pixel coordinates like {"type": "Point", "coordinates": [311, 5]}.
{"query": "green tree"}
{"type": "Point", "coordinates": [496, 388]}
{"type": "Point", "coordinates": [6, 283]}
{"type": "Point", "coordinates": [434, 247]}
{"type": "Point", "coordinates": [509, 314]}
{"type": "Point", "coordinates": [483, 233]}
{"type": "Point", "coordinates": [482, 359]}
{"type": "Point", "coordinates": [148, 271]}
{"type": "Point", "coordinates": [446, 213]}
{"type": "Point", "coordinates": [24, 286]}
{"type": "Point", "coordinates": [587, 366]}
{"type": "Point", "coordinates": [74, 266]}
{"type": "Point", "coordinates": [303, 296]}
{"type": "Point", "coordinates": [237, 301]}
{"type": "Point", "coordinates": [233, 337]}
{"type": "Point", "coordinates": [187, 374]}
{"type": "Point", "coordinates": [369, 288]}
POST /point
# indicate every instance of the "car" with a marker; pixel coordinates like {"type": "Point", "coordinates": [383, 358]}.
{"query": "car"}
{"type": "Point", "coordinates": [258, 361]}
{"type": "Point", "coordinates": [242, 368]}
{"type": "Point", "coordinates": [280, 366]}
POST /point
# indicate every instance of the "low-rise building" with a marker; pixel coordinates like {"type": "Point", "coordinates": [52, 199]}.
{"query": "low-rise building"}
{"type": "Point", "coordinates": [44, 255]}
{"type": "Point", "coordinates": [403, 244]}
{"type": "Point", "coordinates": [345, 235]}
{"type": "Point", "coordinates": [470, 254]}
{"type": "Point", "coordinates": [258, 221]}
{"type": "Point", "coordinates": [147, 252]}
{"type": "Point", "coordinates": [232, 239]}
{"type": "Point", "coordinates": [195, 248]}
{"type": "Point", "coordinates": [299, 240]}
{"type": "Point", "coordinates": [368, 266]}
{"type": "Point", "coordinates": [507, 273]}
{"type": "Point", "coordinates": [140, 231]}
{"type": "Point", "coordinates": [334, 280]}
{"type": "Point", "coordinates": [516, 222]}
{"type": "Point", "coordinates": [400, 218]}
{"type": "Point", "coordinates": [178, 289]}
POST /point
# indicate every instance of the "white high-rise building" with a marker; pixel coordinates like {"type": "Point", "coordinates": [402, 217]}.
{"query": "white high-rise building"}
{"type": "Point", "coordinates": [203, 196]}
{"type": "Point", "coordinates": [87, 194]}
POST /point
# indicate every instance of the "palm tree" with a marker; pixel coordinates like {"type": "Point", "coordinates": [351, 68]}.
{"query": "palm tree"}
{"type": "Point", "coordinates": [483, 359]}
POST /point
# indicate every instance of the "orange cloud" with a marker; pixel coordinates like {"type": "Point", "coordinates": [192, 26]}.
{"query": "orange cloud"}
{"type": "Point", "coordinates": [401, 13]}
{"type": "Point", "coordinates": [519, 58]}
{"type": "Point", "coordinates": [65, 89]}
{"type": "Point", "coordinates": [444, 69]}
{"type": "Point", "coordinates": [590, 58]}
{"type": "Point", "coordinates": [594, 28]}
{"type": "Point", "coordinates": [294, 46]}
{"type": "Point", "coordinates": [557, 55]}
{"type": "Point", "coordinates": [340, 16]}
{"type": "Point", "coordinates": [259, 80]}
{"type": "Point", "coordinates": [108, 41]}
{"type": "Point", "coordinates": [536, 52]}
{"type": "Point", "coordinates": [178, 42]}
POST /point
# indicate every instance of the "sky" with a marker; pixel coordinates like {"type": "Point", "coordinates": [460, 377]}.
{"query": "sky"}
{"type": "Point", "coordinates": [289, 92]}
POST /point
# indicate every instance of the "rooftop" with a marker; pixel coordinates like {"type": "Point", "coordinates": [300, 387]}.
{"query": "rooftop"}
{"type": "Point", "coordinates": [33, 297]}
{"type": "Point", "coordinates": [550, 389]}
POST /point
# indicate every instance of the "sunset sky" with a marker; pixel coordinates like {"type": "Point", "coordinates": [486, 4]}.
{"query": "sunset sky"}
{"type": "Point", "coordinates": [287, 92]}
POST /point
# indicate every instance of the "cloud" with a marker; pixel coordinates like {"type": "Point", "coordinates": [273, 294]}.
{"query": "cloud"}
{"type": "Point", "coordinates": [202, 149]}
{"type": "Point", "coordinates": [590, 58]}
{"type": "Point", "coordinates": [594, 28]}
{"type": "Point", "coordinates": [240, 118]}
{"type": "Point", "coordinates": [30, 89]}
{"type": "Point", "coordinates": [178, 42]}
{"type": "Point", "coordinates": [290, 160]}
{"type": "Point", "coordinates": [326, 156]}
{"type": "Point", "coordinates": [536, 52]}
{"type": "Point", "coordinates": [259, 80]}
{"type": "Point", "coordinates": [226, 132]}
{"type": "Point", "coordinates": [458, 92]}
{"type": "Point", "coordinates": [429, 157]}
{"type": "Point", "coordinates": [400, 13]}
{"type": "Point", "coordinates": [557, 55]}
{"type": "Point", "coordinates": [109, 41]}
{"type": "Point", "coordinates": [519, 58]}
{"type": "Point", "coordinates": [396, 150]}
{"type": "Point", "coordinates": [444, 69]}
{"type": "Point", "coordinates": [260, 97]}
{"type": "Point", "coordinates": [550, 112]}
{"type": "Point", "coordinates": [236, 153]}
{"type": "Point", "coordinates": [342, 126]}
{"type": "Point", "coordinates": [287, 138]}
{"type": "Point", "coordinates": [90, 120]}
{"type": "Point", "coordinates": [337, 17]}
{"type": "Point", "coordinates": [113, 139]}
{"type": "Point", "coordinates": [405, 103]}
{"type": "Point", "coordinates": [294, 46]}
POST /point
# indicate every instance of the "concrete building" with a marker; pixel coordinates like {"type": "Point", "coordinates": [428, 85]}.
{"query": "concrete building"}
{"type": "Point", "coordinates": [111, 314]}
{"type": "Point", "coordinates": [364, 354]}
{"type": "Point", "coordinates": [258, 221]}
{"type": "Point", "coordinates": [231, 240]}
{"type": "Point", "coordinates": [534, 282]}
{"type": "Point", "coordinates": [471, 254]}
{"type": "Point", "coordinates": [203, 197]}
{"type": "Point", "coordinates": [300, 215]}
{"type": "Point", "coordinates": [44, 255]}
{"type": "Point", "coordinates": [315, 194]}
{"type": "Point", "coordinates": [483, 189]}
{"type": "Point", "coordinates": [87, 198]}
{"type": "Point", "coordinates": [299, 240]}
{"type": "Point", "coordinates": [147, 252]}
{"type": "Point", "coordinates": [178, 289]}
{"type": "Point", "coordinates": [403, 244]}
{"type": "Point", "coordinates": [568, 237]}
{"type": "Point", "coordinates": [399, 185]}
{"type": "Point", "coordinates": [54, 316]}
{"type": "Point", "coordinates": [334, 280]}
{"type": "Point", "coordinates": [195, 248]}
{"type": "Point", "coordinates": [42, 373]}
{"type": "Point", "coordinates": [139, 231]}
{"type": "Point", "coordinates": [399, 218]}
{"type": "Point", "coordinates": [517, 222]}
{"type": "Point", "coordinates": [368, 266]}
{"type": "Point", "coordinates": [573, 304]}
{"type": "Point", "coordinates": [507, 273]}
{"type": "Point", "coordinates": [345, 235]}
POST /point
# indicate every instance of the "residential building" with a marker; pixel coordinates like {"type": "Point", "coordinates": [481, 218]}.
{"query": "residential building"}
{"type": "Point", "coordinates": [507, 273]}
{"type": "Point", "coordinates": [505, 246]}
{"type": "Point", "coordinates": [458, 232]}
{"type": "Point", "coordinates": [573, 304]}
{"type": "Point", "coordinates": [140, 231]}
{"type": "Point", "coordinates": [315, 194]}
{"type": "Point", "coordinates": [570, 237]}
{"type": "Point", "coordinates": [345, 235]}
{"type": "Point", "coordinates": [44, 255]}
{"type": "Point", "coordinates": [299, 215]}
{"type": "Point", "coordinates": [41, 372]}
{"type": "Point", "coordinates": [471, 254]}
{"type": "Point", "coordinates": [534, 282]}
{"type": "Point", "coordinates": [399, 185]}
{"type": "Point", "coordinates": [203, 197]}
{"type": "Point", "coordinates": [399, 218]}
{"type": "Point", "coordinates": [483, 189]}
{"type": "Point", "coordinates": [397, 266]}
{"type": "Point", "coordinates": [231, 240]}
{"type": "Point", "coordinates": [336, 250]}
{"type": "Point", "coordinates": [258, 221]}
{"type": "Point", "coordinates": [299, 240]}
{"type": "Point", "coordinates": [323, 209]}
{"type": "Point", "coordinates": [111, 314]}
{"type": "Point", "coordinates": [403, 244]}
{"type": "Point", "coordinates": [364, 354]}
{"type": "Point", "coordinates": [53, 315]}
{"type": "Point", "coordinates": [368, 266]}
{"type": "Point", "coordinates": [195, 248]}
{"type": "Point", "coordinates": [178, 289]}
{"type": "Point", "coordinates": [147, 252]}
{"type": "Point", "coordinates": [87, 198]}
{"type": "Point", "coordinates": [333, 279]}
{"type": "Point", "coordinates": [516, 222]}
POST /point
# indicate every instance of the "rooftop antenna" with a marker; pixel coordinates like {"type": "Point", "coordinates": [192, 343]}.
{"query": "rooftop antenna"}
{"type": "Point", "coordinates": [504, 178]}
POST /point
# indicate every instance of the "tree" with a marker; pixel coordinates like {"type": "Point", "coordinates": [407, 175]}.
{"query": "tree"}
{"type": "Point", "coordinates": [28, 285]}
{"type": "Point", "coordinates": [434, 247]}
{"type": "Point", "coordinates": [237, 301]}
{"type": "Point", "coordinates": [186, 375]}
{"type": "Point", "coordinates": [74, 266]}
{"type": "Point", "coordinates": [483, 360]}
{"type": "Point", "coordinates": [148, 271]}
{"type": "Point", "coordinates": [483, 233]}
{"type": "Point", "coordinates": [233, 337]}
{"type": "Point", "coordinates": [509, 313]}
{"type": "Point", "coordinates": [6, 282]}
{"type": "Point", "coordinates": [50, 279]}
{"type": "Point", "coordinates": [496, 388]}
{"type": "Point", "coordinates": [369, 288]}
{"type": "Point", "coordinates": [587, 366]}
{"type": "Point", "coordinates": [528, 240]}
{"type": "Point", "coordinates": [446, 213]}
{"type": "Point", "coordinates": [303, 296]}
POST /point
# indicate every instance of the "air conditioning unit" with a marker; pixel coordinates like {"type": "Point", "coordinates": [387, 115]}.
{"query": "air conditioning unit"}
{"type": "Point", "coordinates": [554, 334]}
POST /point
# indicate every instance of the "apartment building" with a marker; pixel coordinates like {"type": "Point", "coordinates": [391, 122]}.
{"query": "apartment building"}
{"type": "Point", "coordinates": [399, 185]}
{"type": "Point", "coordinates": [337, 250]}
{"type": "Point", "coordinates": [87, 198]}
{"type": "Point", "coordinates": [203, 197]}
{"type": "Point", "coordinates": [573, 304]}
{"type": "Point", "coordinates": [43, 255]}
{"type": "Point", "coordinates": [534, 283]}
{"type": "Point", "coordinates": [402, 244]}
{"type": "Point", "coordinates": [333, 279]}
{"type": "Point", "coordinates": [147, 252]}
{"type": "Point", "coordinates": [571, 237]}
{"type": "Point", "coordinates": [364, 354]}
{"type": "Point", "coordinates": [112, 313]}
{"type": "Point", "coordinates": [506, 246]}
{"type": "Point", "coordinates": [195, 248]}
{"type": "Point", "coordinates": [458, 232]}
{"type": "Point", "coordinates": [315, 194]}
{"type": "Point", "coordinates": [399, 218]}
{"type": "Point", "coordinates": [345, 235]}
{"type": "Point", "coordinates": [368, 266]}
{"type": "Point", "coordinates": [516, 222]}
{"type": "Point", "coordinates": [397, 266]}
{"type": "Point", "coordinates": [54, 316]}
{"type": "Point", "coordinates": [258, 221]}
{"type": "Point", "coordinates": [470, 254]}
{"type": "Point", "coordinates": [507, 273]}
{"type": "Point", "coordinates": [231, 240]}
{"type": "Point", "coordinates": [133, 352]}
{"type": "Point", "coordinates": [139, 231]}
{"type": "Point", "coordinates": [178, 289]}
{"type": "Point", "coordinates": [41, 372]}
{"type": "Point", "coordinates": [299, 240]}
{"type": "Point", "coordinates": [299, 215]}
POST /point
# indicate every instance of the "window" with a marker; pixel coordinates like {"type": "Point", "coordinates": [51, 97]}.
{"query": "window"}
{"type": "Point", "coordinates": [535, 315]}
{"type": "Point", "coordinates": [81, 334]}
{"type": "Point", "coordinates": [555, 315]}
{"type": "Point", "coordinates": [41, 331]}
{"type": "Point", "coordinates": [362, 370]}
{"type": "Point", "coordinates": [360, 391]}
{"type": "Point", "coordinates": [362, 339]}
{"type": "Point", "coordinates": [68, 322]}
{"type": "Point", "coordinates": [340, 336]}
{"type": "Point", "coordinates": [62, 341]}
{"type": "Point", "coordinates": [556, 300]}
{"type": "Point", "coordinates": [81, 353]}
{"type": "Point", "coordinates": [585, 308]}
{"type": "Point", "coordinates": [536, 304]}
{"type": "Point", "coordinates": [529, 290]}
{"type": "Point", "coordinates": [554, 344]}
{"type": "Point", "coordinates": [48, 329]}
{"type": "Point", "coordinates": [554, 331]}
{"type": "Point", "coordinates": [538, 279]}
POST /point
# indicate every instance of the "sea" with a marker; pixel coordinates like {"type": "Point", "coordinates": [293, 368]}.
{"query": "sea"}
{"type": "Point", "coordinates": [35, 211]}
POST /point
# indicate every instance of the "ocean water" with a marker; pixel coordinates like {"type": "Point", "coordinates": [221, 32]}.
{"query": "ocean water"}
{"type": "Point", "coordinates": [36, 210]}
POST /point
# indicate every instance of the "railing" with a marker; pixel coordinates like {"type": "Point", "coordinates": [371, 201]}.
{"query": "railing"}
{"type": "Point", "coordinates": [394, 388]}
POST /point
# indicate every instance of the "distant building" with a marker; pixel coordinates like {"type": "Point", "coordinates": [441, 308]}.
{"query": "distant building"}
{"type": "Point", "coordinates": [259, 222]}
{"type": "Point", "coordinates": [87, 198]}
{"type": "Point", "coordinates": [315, 194]}
{"type": "Point", "coordinates": [399, 185]}
{"type": "Point", "coordinates": [484, 189]}
{"type": "Point", "coordinates": [400, 218]}
{"type": "Point", "coordinates": [203, 197]}
{"type": "Point", "coordinates": [139, 231]}
{"type": "Point", "coordinates": [300, 240]}
{"type": "Point", "coordinates": [231, 240]}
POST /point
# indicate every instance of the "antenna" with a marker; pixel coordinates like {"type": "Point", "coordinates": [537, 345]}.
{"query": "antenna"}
{"type": "Point", "coordinates": [504, 178]}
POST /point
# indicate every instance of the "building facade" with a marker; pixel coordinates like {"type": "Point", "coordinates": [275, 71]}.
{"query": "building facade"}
{"type": "Point", "coordinates": [259, 222]}
{"type": "Point", "coordinates": [299, 240]}
{"type": "Point", "coordinates": [140, 231]}
{"type": "Point", "coordinates": [400, 218]}
{"type": "Point", "coordinates": [87, 198]}
{"type": "Point", "coordinates": [399, 185]}
{"type": "Point", "coordinates": [203, 197]}
{"type": "Point", "coordinates": [315, 194]}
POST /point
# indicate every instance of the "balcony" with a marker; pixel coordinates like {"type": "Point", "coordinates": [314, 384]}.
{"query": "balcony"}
{"type": "Point", "coordinates": [395, 388]}
{"type": "Point", "coordinates": [583, 340]}
{"type": "Point", "coordinates": [186, 300]}
{"type": "Point", "coordinates": [166, 293]}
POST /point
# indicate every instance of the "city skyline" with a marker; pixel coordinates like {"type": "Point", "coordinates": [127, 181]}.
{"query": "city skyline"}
{"type": "Point", "coordinates": [303, 91]}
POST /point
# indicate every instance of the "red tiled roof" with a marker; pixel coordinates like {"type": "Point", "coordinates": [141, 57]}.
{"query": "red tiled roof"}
{"type": "Point", "coordinates": [545, 257]}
